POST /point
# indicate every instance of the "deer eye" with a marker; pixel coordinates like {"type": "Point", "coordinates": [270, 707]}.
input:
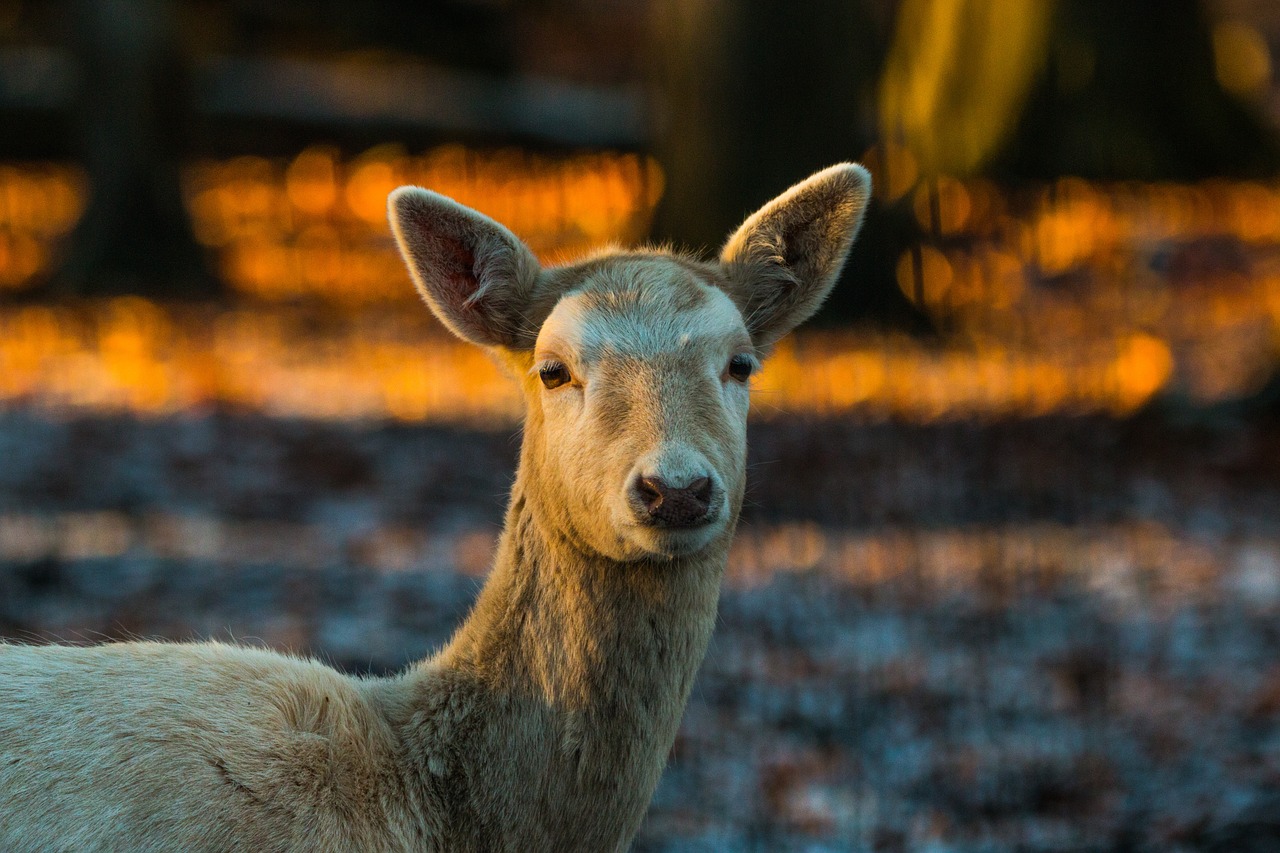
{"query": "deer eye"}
{"type": "Point", "coordinates": [554, 374]}
{"type": "Point", "coordinates": [741, 367]}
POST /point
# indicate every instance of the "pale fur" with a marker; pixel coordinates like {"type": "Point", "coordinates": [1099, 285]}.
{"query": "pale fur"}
{"type": "Point", "coordinates": [545, 723]}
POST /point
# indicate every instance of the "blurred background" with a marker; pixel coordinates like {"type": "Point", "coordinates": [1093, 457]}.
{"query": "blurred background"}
{"type": "Point", "coordinates": [1009, 573]}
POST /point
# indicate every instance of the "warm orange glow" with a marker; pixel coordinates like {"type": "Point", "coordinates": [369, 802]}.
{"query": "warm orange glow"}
{"type": "Point", "coordinates": [1241, 58]}
{"type": "Point", "coordinates": [956, 76]}
{"type": "Point", "coordinates": [894, 170]}
{"type": "Point", "coordinates": [132, 355]}
{"type": "Point", "coordinates": [38, 203]}
{"type": "Point", "coordinates": [1159, 281]}
{"type": "Point", "coordinates": [317, 226]}
{"type": "Point", "coordinates": [311, 181]}
{"type": "Point", "coordinates": [897, 378]}
{"type": "Point", "coordinates": [925, 270]}
{"type": "Point", "coordinates": [943, 206]}
{"type": "Point", "coordinates": [1072, 297]}
{"type": "Point", "coordinates": [1142, 368]}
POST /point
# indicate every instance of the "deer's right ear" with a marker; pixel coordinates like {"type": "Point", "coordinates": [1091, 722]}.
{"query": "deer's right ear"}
{"type": "Point", "coordinates": [478, 277]}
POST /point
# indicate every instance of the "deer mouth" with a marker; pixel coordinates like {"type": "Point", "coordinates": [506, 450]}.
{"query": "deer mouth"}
{"type": "Point", "coordinates": [682, 531]}
{"type": "Point", "coordinates": [671, 544]}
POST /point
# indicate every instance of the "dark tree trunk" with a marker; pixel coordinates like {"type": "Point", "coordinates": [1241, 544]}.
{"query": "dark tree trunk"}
{"type": "Point", "coordinates": [1129, 92]}
{"type": "Point", "coordinates": [754, 95]}
{"type": "Point", "coordinates": [134, 236]}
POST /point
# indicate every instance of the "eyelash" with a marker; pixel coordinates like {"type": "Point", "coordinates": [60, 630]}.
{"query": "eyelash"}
{"type": "Point", "coordinates": [554, 374]}
{"type": "Point", "coordinates": [740, 368]}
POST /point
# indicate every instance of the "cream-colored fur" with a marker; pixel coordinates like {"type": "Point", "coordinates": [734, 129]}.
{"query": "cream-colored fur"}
{"type": "Point", "coordinates": [545, 723]}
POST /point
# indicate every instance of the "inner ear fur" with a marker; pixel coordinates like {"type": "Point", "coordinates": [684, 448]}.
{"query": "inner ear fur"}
{"type": "Point", "coordinates": [479, 279]}
{"type": "Point", "coordinates": [784, 259]}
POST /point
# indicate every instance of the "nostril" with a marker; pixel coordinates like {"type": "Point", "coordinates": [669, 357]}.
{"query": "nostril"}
{"type": "Point", "coordinates": [651, 491]}
{"type": "Point", "coordinates": [701, 489]}
{"type": "Point", "coordinates": [671, 506]}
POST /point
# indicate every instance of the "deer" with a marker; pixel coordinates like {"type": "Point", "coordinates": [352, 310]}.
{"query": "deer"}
{"type": "Point", "coordinates": [546, 721]}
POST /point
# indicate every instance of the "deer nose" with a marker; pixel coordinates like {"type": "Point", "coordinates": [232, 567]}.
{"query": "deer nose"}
{"type": "Point", "coordinates": [674, 506]}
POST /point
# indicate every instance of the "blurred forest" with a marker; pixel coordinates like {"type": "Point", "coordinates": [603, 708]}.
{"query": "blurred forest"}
{"type": "Point", "coordinates": [1008, 576]}
{"type": "Point", "coordinates": [735, 100]}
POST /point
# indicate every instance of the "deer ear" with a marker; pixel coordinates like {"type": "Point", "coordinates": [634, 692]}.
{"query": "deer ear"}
{"type": "Point", "coordinates": [478, 277]}
{"type": "Point", "coordinates": [783, 261]}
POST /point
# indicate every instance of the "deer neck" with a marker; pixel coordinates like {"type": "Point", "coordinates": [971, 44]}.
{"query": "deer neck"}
{"type": "Point", "coordinates": [576, 628]}
{"type": "Point", "coordinates": [563, 690]}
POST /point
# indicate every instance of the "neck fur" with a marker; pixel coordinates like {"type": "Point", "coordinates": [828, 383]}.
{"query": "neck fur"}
{"type": "Point", "coordinates": [548, 718]}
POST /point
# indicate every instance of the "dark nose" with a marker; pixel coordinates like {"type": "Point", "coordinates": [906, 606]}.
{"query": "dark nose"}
{"type": "Point", "coordinates": [670, 506]}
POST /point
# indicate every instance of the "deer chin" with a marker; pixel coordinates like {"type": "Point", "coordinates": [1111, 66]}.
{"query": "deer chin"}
{"type": "Point", "coordinates": [668, 543]}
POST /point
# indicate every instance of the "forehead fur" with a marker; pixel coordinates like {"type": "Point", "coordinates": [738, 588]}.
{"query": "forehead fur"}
{"type": "Point", "coordinates": [649, 302]}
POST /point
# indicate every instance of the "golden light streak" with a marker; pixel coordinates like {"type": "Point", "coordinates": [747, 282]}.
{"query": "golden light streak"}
{"type": "Point", "coordinates": [1071, 297]}
{"type": "Point", "coordinates": [131, 355]}
{"type": "Point", "coordinates": [956, 76]}
{"type": "Point", "coordinates": [316, 226]}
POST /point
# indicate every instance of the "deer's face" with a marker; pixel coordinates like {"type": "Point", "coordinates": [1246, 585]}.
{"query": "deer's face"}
{"type": "Point", "coordinates": [638, 401]}
{"type": "Point", "coordinates": [635, 365]}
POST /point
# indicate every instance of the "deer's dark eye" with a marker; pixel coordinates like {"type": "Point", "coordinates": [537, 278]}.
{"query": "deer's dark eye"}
{"type": "Point", "coordinates": [554, 374]}
{"type": "Point", "coordinates": [740, 367]}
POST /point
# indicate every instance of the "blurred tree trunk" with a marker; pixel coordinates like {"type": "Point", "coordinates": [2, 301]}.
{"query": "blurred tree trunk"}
{"type": "Point", "coordinates": [754, 95]}
{"type": "Point", "coordinates": [134, 236]}
{"type": "Point", "coordinates": [1093, 88]}
{"type": "Point", "coordinates": [957, 77]}
{"type": "Point", "coordinates": [1130, 91]}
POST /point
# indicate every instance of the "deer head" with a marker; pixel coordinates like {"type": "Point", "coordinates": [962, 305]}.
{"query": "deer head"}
{"type": "Point", "coordinates": [635, 366]}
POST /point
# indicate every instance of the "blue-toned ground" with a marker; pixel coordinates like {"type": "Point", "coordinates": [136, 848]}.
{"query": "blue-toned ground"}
{"type": "Point", "coordinates": [1056, 635]}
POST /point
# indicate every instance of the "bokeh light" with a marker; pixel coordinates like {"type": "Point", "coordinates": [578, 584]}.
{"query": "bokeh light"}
{"type": "Point", "coordinates": [1069, 298]}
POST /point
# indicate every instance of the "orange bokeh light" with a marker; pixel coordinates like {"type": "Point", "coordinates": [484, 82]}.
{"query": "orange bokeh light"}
{"type": "Point", "coordinates": [1071, 297]}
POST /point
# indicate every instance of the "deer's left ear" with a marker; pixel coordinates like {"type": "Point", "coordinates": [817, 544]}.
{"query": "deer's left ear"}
{"type": "Point", "coordinates": [783, 261]}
